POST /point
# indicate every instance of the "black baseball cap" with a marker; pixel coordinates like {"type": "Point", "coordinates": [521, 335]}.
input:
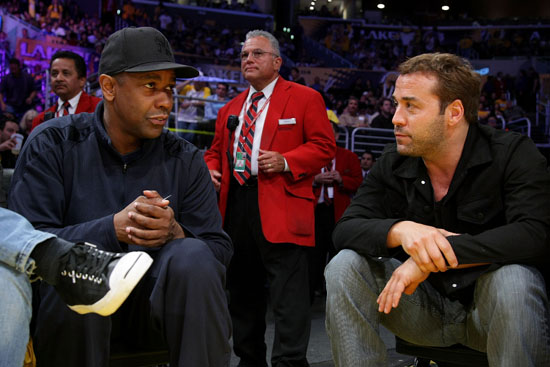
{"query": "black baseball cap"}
{"type": "Point", "coordinates": [135, 50]}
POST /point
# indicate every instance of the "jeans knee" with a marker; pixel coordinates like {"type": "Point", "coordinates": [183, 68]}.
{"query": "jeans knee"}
{"type": "Point", "coordinates": [16, 296]}
{"type": "Point", "coordinates": [512, 288]}
{"type": "Point", "coordinates": [342, 269]}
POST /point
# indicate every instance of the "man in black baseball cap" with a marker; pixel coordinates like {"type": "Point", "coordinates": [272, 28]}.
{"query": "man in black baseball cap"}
{"type": "Point", "coordinates": [106, 178]}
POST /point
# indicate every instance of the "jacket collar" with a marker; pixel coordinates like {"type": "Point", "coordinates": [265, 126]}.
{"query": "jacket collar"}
{"type": "Point", "coordinates": [277, 103]}
{"type": "Point", "coordinates": [104, 138]}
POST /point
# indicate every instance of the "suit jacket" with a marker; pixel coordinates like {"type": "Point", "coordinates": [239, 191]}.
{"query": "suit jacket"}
{"type": "Point", "coordinates": [286, 199]}
{"type": "Point", "coordinates": [347, 164]}
{"type": "Point", "coordinates": [86, 103]}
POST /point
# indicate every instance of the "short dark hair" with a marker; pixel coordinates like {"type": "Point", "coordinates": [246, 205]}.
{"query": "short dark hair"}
{"type": "Point", "coordinates": [4, 118]}
{"type": "Point", "coordinates": [382, 100]}
{"type": "Point", "coordinates": [14, 61]}
{"type": "Point", "coordinates": [224, 84]}
{"type": "Point", "coordinates": [456, 79]}
{"type": "Point", "coordinates": [79, 63]}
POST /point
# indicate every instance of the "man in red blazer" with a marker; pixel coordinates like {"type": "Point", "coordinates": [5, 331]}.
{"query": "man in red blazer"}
{"type": "Point", "coordinates": [67, 79]}
{"type": "Point", "coordinates": [263, 171]}
{"type": "Point", "coordinates": [333, 187]}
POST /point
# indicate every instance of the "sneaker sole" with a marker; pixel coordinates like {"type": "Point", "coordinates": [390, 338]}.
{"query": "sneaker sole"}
{"type": "Point", "coordinates": [125, 276]}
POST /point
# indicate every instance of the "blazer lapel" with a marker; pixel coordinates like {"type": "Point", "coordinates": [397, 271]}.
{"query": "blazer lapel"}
{"type": "Point", "coordinates": [82, 103]}
{"type": "Point", "coordinates": [277, 104]}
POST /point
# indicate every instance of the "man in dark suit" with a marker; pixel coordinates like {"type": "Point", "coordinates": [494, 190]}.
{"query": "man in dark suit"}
{"type": "Point", "coordinates": [367, 160]}
{"type": "Point", "coordinates": [67, 78]}
{"type": "Point", "coordinates": [264, 172]}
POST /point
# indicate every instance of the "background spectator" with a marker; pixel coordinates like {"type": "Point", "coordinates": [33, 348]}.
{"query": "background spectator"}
{"type": "Point", "coordinates": [17, 90]}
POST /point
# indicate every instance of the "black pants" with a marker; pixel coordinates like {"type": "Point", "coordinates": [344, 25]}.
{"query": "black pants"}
{"type": "Point", "coordinates": [180, 303]}
{"type": "Point", "coordinates": [324, 250]}
{"type": "Point", "coordinates": [259, 268]}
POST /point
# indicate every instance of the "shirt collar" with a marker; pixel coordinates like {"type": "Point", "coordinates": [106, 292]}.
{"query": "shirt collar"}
{"type": "Point", "coordinates": [268, 90]}
{"type": "Point", "coordinates": [73, 101]}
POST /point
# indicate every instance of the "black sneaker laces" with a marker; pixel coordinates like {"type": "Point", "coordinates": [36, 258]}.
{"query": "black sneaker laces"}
{"type": "Point", "coordinates": [86, 262]}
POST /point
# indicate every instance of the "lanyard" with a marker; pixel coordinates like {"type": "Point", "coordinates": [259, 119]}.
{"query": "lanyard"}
{"type": "Point", "coordinates": [243, 131]}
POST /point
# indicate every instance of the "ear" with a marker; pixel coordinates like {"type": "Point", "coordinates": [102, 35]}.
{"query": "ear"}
{"type": "Point", "coordinates": [454, 112]}
{"type": "Point", "coordinates": [277, 63]}
{"type": "Point", "coordinates": [108, 87]}
{"type": "Point", "coordinates": [82, 82]}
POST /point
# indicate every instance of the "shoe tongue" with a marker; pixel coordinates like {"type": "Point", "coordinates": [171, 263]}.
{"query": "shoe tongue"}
{"type": "Point", "coordinates": [87, 259]}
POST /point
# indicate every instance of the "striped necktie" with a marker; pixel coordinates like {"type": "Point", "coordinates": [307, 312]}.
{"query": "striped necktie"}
{"type": "Point", "coordinates": [66, 107]}
{"type": "Point", "coordinates": [246, 138]}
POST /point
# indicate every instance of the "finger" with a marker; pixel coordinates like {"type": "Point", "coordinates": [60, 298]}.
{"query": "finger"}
{"type": "Point", "coordinates": [156, 201]}
{"type": "Point", "coordinates": [436, 256]}
{"type": "Point", "coordinates": [424, 262]}
{"type": "Point", "coordinates": [385, 302]}
{"type": "Point", "coordinates": [447, 250]}
{"type": "Point", "coordinates": [155, 198]}
{"type": "Point", "coordinates": [144, 234]}
{"type": "Point", "coordinates": [151, 217]}
{"type": "Point", "coordinates": [384, 296]}
{"type": "Point", "coordinates": [151, 194]}
{"type": "Point", "coordinates": [382, 299]}
{"type": "Point", "coordinates": [140, 199]}
{"type": "Point", "coordinates": [133, 239]}
{"type": "Point", "coordinates": [394, 295]}
{"type": "Point", "coordinates": [446, 233]}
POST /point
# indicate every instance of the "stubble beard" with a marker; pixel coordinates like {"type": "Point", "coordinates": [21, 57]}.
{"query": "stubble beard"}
{"type": "Point", "coordinates": [427, 142]}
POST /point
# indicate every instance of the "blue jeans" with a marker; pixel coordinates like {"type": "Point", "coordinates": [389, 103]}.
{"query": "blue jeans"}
{"type": "Point", "coordinates": [17, 240]}
{"type": "Point", "coordinates": [508, 318]}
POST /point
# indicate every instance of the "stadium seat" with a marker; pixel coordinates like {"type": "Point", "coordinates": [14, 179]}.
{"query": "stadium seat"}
{"type": "Point", "coordinates": [138, 359]}
{"type": "Point", "coordinates": [453, 356]}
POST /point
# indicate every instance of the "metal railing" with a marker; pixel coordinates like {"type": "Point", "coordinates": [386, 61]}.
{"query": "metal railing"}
{"type": "Point", "coordinates": [200, 130]}
{"type": "Point", "coordinates": [521, 125]}
{"type": "Point", "coordinates": [371, 139]}
{"type": "Point", "coordinates": [343, 139]}
{"type": "Point", "coordinates": [543, 114]}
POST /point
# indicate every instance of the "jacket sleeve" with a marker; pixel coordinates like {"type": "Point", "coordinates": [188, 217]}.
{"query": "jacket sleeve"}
{"type": "Point", "coordinates": [352, 175]}
{"type": "Point", "coordinates": [525, 202]}
{"type": "Point", "coordinates": [200, 215]}
{"type": "Point", "coordinates": [38, 193]}
{"type": "Point", "coordinates": [214, 155]}
{"type": "Point", "coordinates": [38, 119]}
{"type": "Point", "coordinates": [365, 224]}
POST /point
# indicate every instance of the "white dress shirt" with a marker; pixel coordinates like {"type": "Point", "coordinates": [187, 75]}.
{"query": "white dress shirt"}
{"type": "Point", "coordinates": [260, 120]}
{"type": "Point", "coordinates": [72, 108]}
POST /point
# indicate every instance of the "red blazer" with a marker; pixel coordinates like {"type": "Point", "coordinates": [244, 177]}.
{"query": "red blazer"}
{"type": "Point", "coordinates": [347, 164]}
{"type": "Point", "coordinates": [86, 103]}
{"type": "Point", "coordinates": [286, 200]}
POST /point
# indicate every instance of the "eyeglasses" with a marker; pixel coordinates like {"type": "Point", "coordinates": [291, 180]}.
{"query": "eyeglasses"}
{"type": "Point", "coordinates": [256, 54]}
